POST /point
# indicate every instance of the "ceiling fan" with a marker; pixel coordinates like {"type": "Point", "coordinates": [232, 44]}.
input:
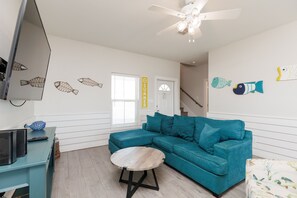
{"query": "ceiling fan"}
{"type": "Point", "coordinates": [191, 16]}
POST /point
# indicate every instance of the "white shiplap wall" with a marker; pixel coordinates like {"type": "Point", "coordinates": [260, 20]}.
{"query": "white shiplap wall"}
{"type": "Point", "coordinates": [273, 137]}
{"type": "Point", "coordinates": [80, 131]}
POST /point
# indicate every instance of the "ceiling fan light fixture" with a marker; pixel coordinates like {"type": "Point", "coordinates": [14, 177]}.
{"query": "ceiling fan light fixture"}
{"type": "Point", "coordinates": [181, 26]}
{"type": "Point", "coordinates": [196, 22]}
{"type": "Point", "coordinates": [195, 12]}
{"type": "Point", "coordinates": [191, 29]}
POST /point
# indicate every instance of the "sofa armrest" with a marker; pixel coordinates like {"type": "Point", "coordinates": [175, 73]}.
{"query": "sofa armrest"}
{"type": "Point", "coordinates": [232, 148]}
{"type": "Point", "coordinates": [236, 152]}
{"type": "Point", "coordinates": [144, 126]}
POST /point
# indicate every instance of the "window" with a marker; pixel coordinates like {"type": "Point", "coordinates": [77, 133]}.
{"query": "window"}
{"type": "Point", "coordinates": [124, 96]}
{"type": "Point", "coordinates": [164, 87]}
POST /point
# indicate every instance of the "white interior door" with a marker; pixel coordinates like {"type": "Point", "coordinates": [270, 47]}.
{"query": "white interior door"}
{"type": "Point", "coordinates": [165, 97]}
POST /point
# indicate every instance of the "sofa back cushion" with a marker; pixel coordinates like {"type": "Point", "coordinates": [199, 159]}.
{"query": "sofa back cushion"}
{"type": "Point", "coordinates": [166, 123]}
{"type": "Point", "coordinates": [184, 127]}
{"type": "Point", "coordinates": [229, 129]}
{"type": "Point", "coordinates": [208, 138]}
{"type": "Point", "coordinates": [153, 124]}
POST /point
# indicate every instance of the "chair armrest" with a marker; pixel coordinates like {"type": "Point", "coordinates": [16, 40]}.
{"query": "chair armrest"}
{"type": "Point", "coordinates": [144, 126]}
{"type": "Point", "coordinates": [236, 152]}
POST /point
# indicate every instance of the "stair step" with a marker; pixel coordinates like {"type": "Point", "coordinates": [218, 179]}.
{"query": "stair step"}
{"type": "Point", "coordinates": [184, 113]}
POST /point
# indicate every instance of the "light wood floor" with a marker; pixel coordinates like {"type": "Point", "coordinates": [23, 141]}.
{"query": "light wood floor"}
{"type": "Point", "coordinates": [89, 174]}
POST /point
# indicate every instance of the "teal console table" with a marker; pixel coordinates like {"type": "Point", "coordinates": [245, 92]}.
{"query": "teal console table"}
{"type": "Point", "coordinates": [35, 170]}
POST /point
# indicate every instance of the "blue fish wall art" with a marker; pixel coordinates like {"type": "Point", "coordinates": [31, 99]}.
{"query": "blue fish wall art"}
{"type": "Point", "coordinates": [248, 87]}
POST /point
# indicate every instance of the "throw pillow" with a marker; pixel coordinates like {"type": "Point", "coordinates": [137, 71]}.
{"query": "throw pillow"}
{"type": "Point", "coordinates": [166, 123]}
{"type": "Point", "coordinates": [208, 138]}
{"type": "Point", "coordinates": [229, 129]}
{"type": "Point", "coordinates": [184, 127]}
{"type": "Point", "coordinates": [153, 124]}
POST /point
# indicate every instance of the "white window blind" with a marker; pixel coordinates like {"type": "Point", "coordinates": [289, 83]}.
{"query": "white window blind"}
{"type": "Point", "coordinates": [124, 95]}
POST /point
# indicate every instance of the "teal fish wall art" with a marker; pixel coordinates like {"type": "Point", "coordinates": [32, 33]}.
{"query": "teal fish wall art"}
{"type": "Point", "coordinates": [248, 87]}
{"type": "Point", "coordinates": [220, 83]}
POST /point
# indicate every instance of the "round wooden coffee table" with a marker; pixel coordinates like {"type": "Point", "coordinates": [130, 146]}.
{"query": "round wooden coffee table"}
{"type": "Point", "coordinates": [137, 159]}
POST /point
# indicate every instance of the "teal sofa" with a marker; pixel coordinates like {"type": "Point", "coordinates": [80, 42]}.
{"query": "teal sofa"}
{"type": "Point", "coordinates": [217, 167]}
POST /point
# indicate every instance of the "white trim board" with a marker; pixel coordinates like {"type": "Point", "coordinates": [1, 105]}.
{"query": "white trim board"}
{"type": "Point", "coordinates": [273, 137]}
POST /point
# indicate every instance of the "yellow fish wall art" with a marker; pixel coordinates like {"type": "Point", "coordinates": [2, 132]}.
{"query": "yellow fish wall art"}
{"type": "Point", "coordinates": [287, 73]}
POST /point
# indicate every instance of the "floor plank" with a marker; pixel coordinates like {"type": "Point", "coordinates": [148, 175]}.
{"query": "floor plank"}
{"type": "Point", "coordinates": [89, 173]}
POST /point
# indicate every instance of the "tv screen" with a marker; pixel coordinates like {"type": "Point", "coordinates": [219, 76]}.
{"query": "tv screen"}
{"type": "Point", "coordinates": [24, 69]}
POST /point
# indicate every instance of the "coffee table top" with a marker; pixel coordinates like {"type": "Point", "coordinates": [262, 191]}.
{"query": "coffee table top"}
{"type": "Point", "coordinates": [138, 158]}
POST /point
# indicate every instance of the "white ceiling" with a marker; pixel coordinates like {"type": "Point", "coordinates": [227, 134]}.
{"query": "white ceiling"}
{"type": "Point", "coordinates": [129, 25]}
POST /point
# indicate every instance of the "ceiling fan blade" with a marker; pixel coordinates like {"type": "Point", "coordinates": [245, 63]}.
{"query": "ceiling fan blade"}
{"type": "Point", "coordinates": [200, 4]}
{"type": "Point", "coordinates": [168, 11]}
{"type": "Point", "coordinates": [172, 27]}
{"type": "Point", "coordinates": [221, 15]}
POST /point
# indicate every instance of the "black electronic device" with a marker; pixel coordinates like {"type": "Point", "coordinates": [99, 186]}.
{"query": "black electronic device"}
{"type": "Point", "coordinates": [21, 142]}
{"type": "Point", "coordinates": [40, 138]}
{"type": "Point", "coordinates": [24, 51]}
{"type": "Point", "coordinates": [8, 153]}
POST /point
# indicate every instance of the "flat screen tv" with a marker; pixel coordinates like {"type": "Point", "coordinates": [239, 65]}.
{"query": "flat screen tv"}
{"type": "Point", "coordinates": [24, 51]}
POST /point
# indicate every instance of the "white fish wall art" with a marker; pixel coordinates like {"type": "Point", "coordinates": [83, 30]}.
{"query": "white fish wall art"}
{"type": "Point", "coordinates": [287, 73]}
{"type": "Point", "coordinates": [37, 82]}
{"type": "Point", "coordinates": [65, 87]}
{"type": "Point", "coordinates": [90, 82]}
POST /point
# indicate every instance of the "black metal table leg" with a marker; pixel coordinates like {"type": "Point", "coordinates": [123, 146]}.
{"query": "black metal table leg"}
{"type": "Point", "coordinates": [129, 192]}
{"type": "Point", "coordinates": [156, 181]}
{"type": "Point", "coordinates": [139, 183]}
{"type": "Point", "coordinates": [121, 174]}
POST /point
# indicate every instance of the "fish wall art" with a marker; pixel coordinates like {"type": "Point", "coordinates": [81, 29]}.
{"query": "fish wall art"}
{"type": "Point", "coordinates": [287, 73]}
{"type": "Point", "coordinates": [90, 82]}
{"type": "Point", "coordinates": [248, 87]}
{"type": "Point", "coordinates": [65, 87]}
{"type": "Point", "coordinates": [220, 83]}
{"type": "Point", "coordinates": [18, 67]}
{"type": "Point", "coordinates": [37, 82]}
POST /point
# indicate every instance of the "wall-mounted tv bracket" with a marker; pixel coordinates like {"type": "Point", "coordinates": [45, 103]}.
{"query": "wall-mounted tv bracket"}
{"type": "Point", "coordinates": [3, 65]}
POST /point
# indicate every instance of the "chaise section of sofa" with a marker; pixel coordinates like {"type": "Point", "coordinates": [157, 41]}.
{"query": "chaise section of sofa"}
{"type": "Point", "coordinates": [138, 137]}
{"type": "Point", "coordinates": [217, 170]}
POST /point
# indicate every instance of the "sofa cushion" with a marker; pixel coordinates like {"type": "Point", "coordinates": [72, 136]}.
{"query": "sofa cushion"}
{"type": "Point", "coordinates": [184, 126]}
{"type": "Point", "coordinates": [229, 129]}
{"type": "Point", "coordinates": [166, 143]}
{"type": "Point", "coordinates": [194, 154]}
{"type": "Point", "coordinates": [166, 123]}
{"type": "Point", "coordinates": [153, 124]}
{"type": "Point", "coordinates": [208, 138]}
{"type": "Point", "coordinates": [130, 138]}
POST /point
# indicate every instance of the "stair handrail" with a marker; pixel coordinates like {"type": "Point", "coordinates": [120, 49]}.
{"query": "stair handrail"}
{"type": "Point", "coordinates": [197, 103]}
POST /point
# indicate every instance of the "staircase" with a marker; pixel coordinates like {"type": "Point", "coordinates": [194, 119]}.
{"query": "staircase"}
{"type": "Point", "coordinates": [183, 112]}
{"type": "Point", "coordinates": [182, 109]}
